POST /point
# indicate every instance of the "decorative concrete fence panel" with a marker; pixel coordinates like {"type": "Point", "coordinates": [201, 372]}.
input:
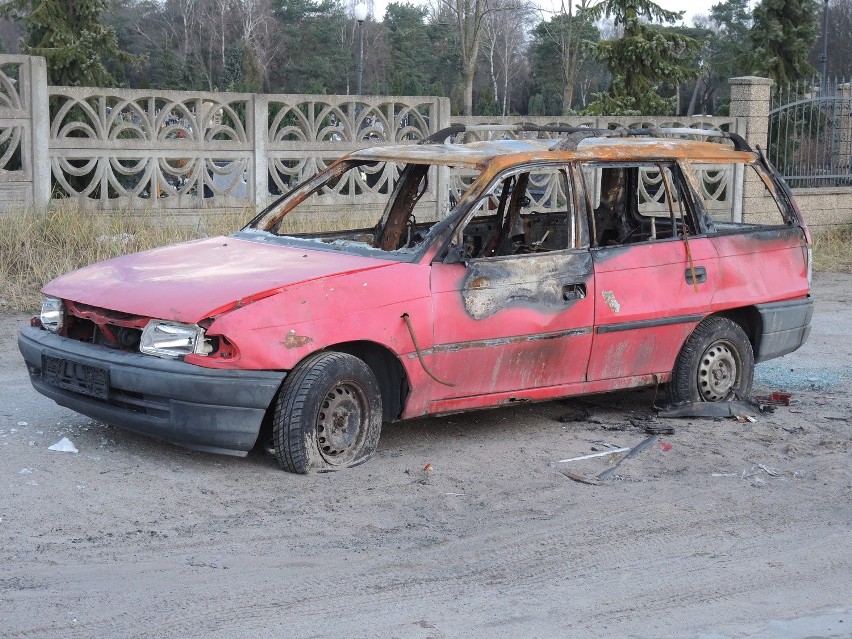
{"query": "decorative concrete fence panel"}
{"type": "Point", "coordinates": [24, 177]}
{"type": "Point", "coordinates": [172, 150]}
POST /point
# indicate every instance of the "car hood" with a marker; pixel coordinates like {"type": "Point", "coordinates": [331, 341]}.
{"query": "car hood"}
{"type": "Point", "coordinates": [195, 280]}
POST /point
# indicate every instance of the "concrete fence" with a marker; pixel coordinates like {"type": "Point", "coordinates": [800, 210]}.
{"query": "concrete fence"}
{"type": "Point", "coordinates": [178, 152]}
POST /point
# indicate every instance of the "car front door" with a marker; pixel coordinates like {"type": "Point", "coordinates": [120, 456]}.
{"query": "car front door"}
{"type": "Point", "coordinates": [512, 299]}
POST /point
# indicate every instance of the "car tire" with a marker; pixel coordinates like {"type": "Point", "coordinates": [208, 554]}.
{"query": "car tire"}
{"type": "Point", "coordinates": [328, 414]}
{"type": "Point", "coordinates": [715, 364]}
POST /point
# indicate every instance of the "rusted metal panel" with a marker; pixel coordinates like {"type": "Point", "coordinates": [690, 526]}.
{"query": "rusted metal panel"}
{"type": "Point", "coordinates": [459, 404]}
{"type": "Point", "coordinates": [547, 282]}
{"type": "Point", "coordinates": [500, 327]}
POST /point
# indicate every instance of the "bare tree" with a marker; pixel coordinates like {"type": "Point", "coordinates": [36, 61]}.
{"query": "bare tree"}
{"type": "Point", "coordinates": [255, 22]}
{"type": "Point", "coordinates": [504, 33]}
{"type": "Point", "coordinates": [567, 29]}
{"type": "Point", "coordinates": [468, 17]}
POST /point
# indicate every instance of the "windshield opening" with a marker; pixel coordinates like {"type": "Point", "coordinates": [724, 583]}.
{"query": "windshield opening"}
{"type": "Point", "coordinates": [383, 206]}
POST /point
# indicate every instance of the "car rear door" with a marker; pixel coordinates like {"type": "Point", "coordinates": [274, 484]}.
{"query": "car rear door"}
{"type": "Point", "coordinates": [655, 269]}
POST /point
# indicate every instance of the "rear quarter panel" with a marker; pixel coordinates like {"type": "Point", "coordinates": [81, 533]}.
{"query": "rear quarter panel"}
{"type": "Point", "coordinates": [760, 265]}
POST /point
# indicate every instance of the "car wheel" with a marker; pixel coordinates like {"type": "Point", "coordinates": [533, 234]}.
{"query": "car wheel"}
{"type": "Point", "coordinates": [715, 364]}
{"type": "Point", "coordinates": [328, 414]}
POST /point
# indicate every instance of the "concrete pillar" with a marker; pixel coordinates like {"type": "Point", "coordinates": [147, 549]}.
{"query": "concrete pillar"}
{"type": "Point", "coordinates": [750, 101]}
{"type": "Point", "coordinates": [750, 98]}
{"type": "Point", "coordinates": [38, 103]}
{"type": "Point", "coordinates": [260, 168]}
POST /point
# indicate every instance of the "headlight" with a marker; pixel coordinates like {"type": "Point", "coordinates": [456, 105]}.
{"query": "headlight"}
{"type": "Point", "coordinates": [52, 314]}
{"type": "Point", "coordinates": [173, 340]}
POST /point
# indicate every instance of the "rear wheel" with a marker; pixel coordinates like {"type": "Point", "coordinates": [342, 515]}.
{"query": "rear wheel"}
{"type": "Point", "coordinates": [328, 414]}
{"type": "Point", "coordinates": [715, 364]}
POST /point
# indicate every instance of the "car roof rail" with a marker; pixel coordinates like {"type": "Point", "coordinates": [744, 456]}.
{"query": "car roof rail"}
{"type": "Point", "coordinates": [571, 142]}
{"type": "Point", "coordinates": [440, 136]}
{"type": "Point", "coordinates": [577, 134]}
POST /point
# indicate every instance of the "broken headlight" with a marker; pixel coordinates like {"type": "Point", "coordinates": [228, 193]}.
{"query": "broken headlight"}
{"type": "Point", "coordinates": [52, 314]}
{"type": "Point", "coordinates": [173, 340]}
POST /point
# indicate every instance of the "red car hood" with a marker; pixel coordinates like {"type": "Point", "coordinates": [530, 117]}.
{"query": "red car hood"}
{"type": "Point", "coordinates": [194, 280]}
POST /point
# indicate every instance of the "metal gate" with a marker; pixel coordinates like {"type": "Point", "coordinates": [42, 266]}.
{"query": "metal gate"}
{"type": "Point", "coordinates": [810, 133]}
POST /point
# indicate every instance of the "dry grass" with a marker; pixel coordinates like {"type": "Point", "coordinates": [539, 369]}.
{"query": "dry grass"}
{"type": "Point", "coordinates": [833, 249]}
{"type": "Point", "coordinates": [37, 247]}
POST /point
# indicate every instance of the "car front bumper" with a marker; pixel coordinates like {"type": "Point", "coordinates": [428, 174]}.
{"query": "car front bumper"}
{"type": "Point", "coordinates": [212, 410]}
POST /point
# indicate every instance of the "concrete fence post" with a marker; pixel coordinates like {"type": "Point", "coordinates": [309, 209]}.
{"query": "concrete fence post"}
{"type": "Point", "coordinates": [39, 108]}
{"type": "Point", "coordinates": [750, 102]}
{"type": "Point", "coordinates": [750, 98]}
{"type": "Point", "coordinates": [260, 166]}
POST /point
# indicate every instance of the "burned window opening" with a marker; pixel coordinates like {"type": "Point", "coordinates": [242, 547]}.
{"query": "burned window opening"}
{"type": "Point", "coordinates": [635, 203]}
{"type": "Point", "coordinates": [528, 211]}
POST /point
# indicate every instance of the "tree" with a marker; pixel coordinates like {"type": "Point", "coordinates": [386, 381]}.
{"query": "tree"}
{"type": "Point", "coordinates": [69, 34]}
{"type": "Point", "coordinates": [642, 59]}
{"type": "Point", "coordinates": [504, 33]}
{"type": "Point", "coordinates": [839, 64]}
{"type": "Point", "coordinates": [468, 17]}
{"type": "Point", "coordinates": [411, 62]}
{"type": "Point", "coordinates": [560, 49]}
{"type": "Point", "coordinates": [312, 56]}
{"type": "Point", "coordinates": [726, 53]}
{"type": "Point", "coordinates": [782, 33]}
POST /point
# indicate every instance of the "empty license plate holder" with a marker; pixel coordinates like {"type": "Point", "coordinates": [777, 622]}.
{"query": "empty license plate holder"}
{"type": "Point", "coordinates": [76, 376]}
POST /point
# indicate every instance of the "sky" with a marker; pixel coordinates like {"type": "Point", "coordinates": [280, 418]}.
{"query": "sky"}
{"type": "Point", "coordinates": [692, 7]}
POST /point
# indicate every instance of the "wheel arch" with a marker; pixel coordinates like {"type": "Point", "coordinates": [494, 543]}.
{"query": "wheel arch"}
{"type": "Point", "coordinates": [748, 318]}
{"type": "Point", "coordinates": [389, 372]}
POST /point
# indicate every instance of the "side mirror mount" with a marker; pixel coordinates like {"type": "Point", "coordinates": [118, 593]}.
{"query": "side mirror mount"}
{"type": "Point", "coordinates": [455, 255]}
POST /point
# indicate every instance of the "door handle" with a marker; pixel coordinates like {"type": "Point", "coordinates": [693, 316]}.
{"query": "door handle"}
{"type": "Point", "coordinates": [571, 292]}
{"type": "Point", "coordinates": [700, 275]}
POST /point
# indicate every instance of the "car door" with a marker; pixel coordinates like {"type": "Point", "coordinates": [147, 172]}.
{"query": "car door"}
{"type": "Point", "coordinates": [511, 299]}
{"type": "Point", "coordinates": [655, 268]}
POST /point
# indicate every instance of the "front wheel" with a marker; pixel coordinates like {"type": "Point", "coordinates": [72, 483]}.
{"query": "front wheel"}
{"type": "Point", "coordinates": [715, 364]}
{"type": "Point", "coordinates": [328, 414]}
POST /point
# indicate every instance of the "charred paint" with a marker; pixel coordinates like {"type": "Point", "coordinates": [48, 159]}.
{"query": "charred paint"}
{"type": "Point", "coordinates": [549, 282]}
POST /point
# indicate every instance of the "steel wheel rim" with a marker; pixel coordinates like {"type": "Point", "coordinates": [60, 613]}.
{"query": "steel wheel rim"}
{"type": "Point", "coordinates": [339, 428]}
{"type": "Point", "coordinates": [719, 371]}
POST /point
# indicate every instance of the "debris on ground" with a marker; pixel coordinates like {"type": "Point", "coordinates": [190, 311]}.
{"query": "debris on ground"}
{"type": "Point", "coordinates": [64, 445]}
{"type": "Point", "coordinates": [665, 446]}
{"type": "Point", "coordinates": [633, 452]}
{"type": "Point", "coordinates": [574, 415]}
{"type": "Point", "coordinates": [580, 478]}
{"type": "Point", "coordinates": [610, 451]}
{"type": "Point", "coordinates": [711, 409]}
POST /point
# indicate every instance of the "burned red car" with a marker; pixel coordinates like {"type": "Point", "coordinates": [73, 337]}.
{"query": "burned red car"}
{"type": "Point", "coordinates": [474, 275]}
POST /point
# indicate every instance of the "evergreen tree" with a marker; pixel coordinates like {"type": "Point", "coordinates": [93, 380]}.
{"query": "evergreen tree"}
{"type": "Point", "coordinates": [642, 59]}
{"type": "Point", "coordinates": [782, 33]}
{"type": "Point", "coordinates": [412, 62]}
{"type": "Point", "coordinates": [69, 34]}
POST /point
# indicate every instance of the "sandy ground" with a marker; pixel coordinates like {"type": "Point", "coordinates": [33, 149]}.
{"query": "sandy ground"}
{"type": "Point", "coordinates": [719, 530]}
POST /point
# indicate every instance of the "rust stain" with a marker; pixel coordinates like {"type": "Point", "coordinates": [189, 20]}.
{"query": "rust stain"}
{"type": "Point", "coordinates": [478, 282]}
{"type": "Point", "coordinates": [296, 341]}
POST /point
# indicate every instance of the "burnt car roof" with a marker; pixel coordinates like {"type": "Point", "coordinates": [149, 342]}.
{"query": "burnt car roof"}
{"type": "Point", "coordinates": [476, 154]}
